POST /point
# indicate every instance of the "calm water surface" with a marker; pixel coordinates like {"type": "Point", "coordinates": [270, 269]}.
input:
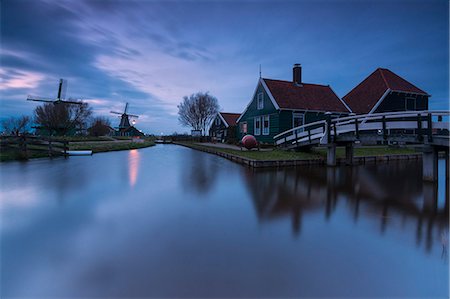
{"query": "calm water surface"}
{"type": "Point", "coordinates": [169, 221]}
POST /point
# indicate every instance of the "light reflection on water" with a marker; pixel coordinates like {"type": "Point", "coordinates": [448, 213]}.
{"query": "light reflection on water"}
{"type": "Point", "coordinates": [133, 166]}
{"type": "Point", "coordinates": [172, 222]}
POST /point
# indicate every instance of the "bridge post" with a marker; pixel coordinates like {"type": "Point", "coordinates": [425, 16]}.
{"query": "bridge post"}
{"type": "Point", "coordinates": [430, 163]}
{"type": "Point", "coordinates": [331, 154]}
{"type": "Point", "coordinates": [349, 154]}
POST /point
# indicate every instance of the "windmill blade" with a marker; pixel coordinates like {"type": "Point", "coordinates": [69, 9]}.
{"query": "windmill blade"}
{"type": "Point", "coordinates": [126, 108]}
{"type": "Point", "coordinates": [62, 88]}
{"type": "Point", "coordinates": [116, 112]}
{"type": "Point", "coordinates": [39, 99]}
{"type": "Point", "coordinates": [132, 115]}
{"type": "Point", "coordinates": [70, 102]}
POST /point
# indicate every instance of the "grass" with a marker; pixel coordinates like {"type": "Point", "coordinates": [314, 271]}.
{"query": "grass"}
{"type": "Point", "coordinates": [37, 151]}
{"type": "Point", "coordinates": [275, 154]}
{"type": "Point", "coordinates": [98, 147]}
{"type": "Point", "coordinates": [317, 153]}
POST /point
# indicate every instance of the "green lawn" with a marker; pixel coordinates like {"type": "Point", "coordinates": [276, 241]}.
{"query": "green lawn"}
{"type": "Point", "coordinates": [278, 154]}
{"type": "Point", "coordinates": [37, 151]}
{"type": "Point", "coordinates": [98, 147]}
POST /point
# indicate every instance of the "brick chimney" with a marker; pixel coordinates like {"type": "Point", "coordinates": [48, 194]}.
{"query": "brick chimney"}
{"type": "Point", "coordinates": [297, 74]}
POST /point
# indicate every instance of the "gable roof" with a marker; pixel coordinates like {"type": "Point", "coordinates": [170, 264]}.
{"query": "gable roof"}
{"type": "Point", "coordinates": [230, 119]}
{"type": "Point", "coordinates": [365, 96]}
{"type": "Point", "coordinates": [305, 97]}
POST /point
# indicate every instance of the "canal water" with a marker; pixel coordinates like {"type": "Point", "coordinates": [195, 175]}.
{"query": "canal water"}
{"type": "Point", "coordinates": [170, 221]}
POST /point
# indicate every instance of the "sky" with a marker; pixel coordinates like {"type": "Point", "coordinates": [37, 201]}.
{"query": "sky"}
{"type": "Point", "coordinates": [152, 53]}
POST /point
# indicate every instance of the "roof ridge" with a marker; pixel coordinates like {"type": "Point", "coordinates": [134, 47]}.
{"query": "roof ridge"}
{"type": "Point", "coordinates": [229, 113]}
{"type": "Point", "coordinates": [360, 83]}
{"type": "Point", "coordinates": [382, 76]}
{"type": "Point", "coordinates": [303, 83]}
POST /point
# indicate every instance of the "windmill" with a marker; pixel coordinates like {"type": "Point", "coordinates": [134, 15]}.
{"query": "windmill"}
{"type": "Point", "coordinates": [60, 99]}
{"type": "Point", "coordinates": [124, 120]}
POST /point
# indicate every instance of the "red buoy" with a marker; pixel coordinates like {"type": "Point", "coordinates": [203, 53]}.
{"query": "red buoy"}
{"type": "Point", "coordinates": [249, 141]}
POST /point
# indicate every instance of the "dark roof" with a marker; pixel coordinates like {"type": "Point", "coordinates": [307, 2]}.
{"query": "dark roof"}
{"type": "Point", "coordinates": [366, 94]}
{"type": "Point", "coordinates": [304, 97]}
{"type": "Point", "coordinates": [230, 118]}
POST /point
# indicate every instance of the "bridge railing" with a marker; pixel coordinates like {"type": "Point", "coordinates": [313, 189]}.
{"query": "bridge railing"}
{"type": "Point", "coordinates": [417, 122]}
{"type": "Point", "coordinates": [306, 132]}
{"type": "Point", "coordinates": [420, 122]}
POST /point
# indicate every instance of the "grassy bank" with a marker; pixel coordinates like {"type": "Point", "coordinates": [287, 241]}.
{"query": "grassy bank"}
{"type": "Point", "coordinates": [278, 154]}
{"type": "Point", "coordinates": [98, 147]}
{"type": "Point", "coordinates": [95, 145]}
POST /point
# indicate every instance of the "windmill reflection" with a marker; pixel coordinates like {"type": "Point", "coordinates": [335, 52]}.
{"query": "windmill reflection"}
{"type": "Point", "coordinates": [133, 166]}
{"type": "Point", "coordinates": [391, 194]}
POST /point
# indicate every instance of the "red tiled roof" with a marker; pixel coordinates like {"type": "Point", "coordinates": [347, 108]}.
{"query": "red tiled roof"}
{"type": "Point", "coordinates": [230, 118]}
{"type": "Point", "coordinates": [304, 97]}
{"type": "Point", "coordinates": [366, 94]}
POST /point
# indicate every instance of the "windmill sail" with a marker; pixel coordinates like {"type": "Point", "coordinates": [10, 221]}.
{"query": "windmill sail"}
{"type": "Point", "coordinates": [62, 88]}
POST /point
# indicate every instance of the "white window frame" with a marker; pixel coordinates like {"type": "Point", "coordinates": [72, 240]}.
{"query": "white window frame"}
{"type": "Point", "coordinates": [260, 100]}
{"type": "Point", "coordinates": [264, 132]}
{"type": "Point", "coordinates": [256, 130]}
{"type": "Point", "coordinates": [242, 127]}
{"type": "Point", "coordinates": [406, 104]}
{"type": "Point", "coordinates": [296, 114]}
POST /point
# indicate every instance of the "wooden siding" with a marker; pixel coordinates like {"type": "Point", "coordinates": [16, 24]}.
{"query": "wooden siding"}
{"type": "Point", "coordinates": [217, 130]}
{"type": "Point", "coordinates": [252, 112]}
{"type": "Point", "coordinates": [280, 120]}
{"type": "Point", "coordinates": [396, 102]}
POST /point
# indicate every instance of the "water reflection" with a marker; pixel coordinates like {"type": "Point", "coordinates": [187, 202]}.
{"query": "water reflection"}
{"type": "Point", "coordinates": [391, 194]}
{"type": "Point", "coordinates": [133, 166]}
{"type": "Point", "coordinates": [199, 172]}
{"type": "Point", "coordinates": [372, 231]}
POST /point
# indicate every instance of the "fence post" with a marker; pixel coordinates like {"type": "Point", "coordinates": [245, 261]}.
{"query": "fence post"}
{"type": "Point", "coordinates": [384, 127]}
{"type": "Point", "coordinates": [328, 118]}
{"type": "Point", "coordinates": [309, 135]}
{"type": "Point", "coordinates": [419, 127]}
{"type": "Point", "coordinates": [296, 137]}
{"type": "Point", "coordinates": [356, 125]}
{"type": "Point", "coordinates": [429, 128]}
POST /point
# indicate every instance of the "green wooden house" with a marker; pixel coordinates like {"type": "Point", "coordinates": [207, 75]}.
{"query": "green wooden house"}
{"type": "Point", "coordinates": [224, 127]}
{"type": "Point", "coordinates": [277, 106]}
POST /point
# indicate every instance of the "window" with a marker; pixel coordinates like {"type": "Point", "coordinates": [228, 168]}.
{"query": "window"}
{"type": "Point", "coordinates": [266, 124]}
{"type": "Point", "coordinates": [298, 119]}
{"type": "Point", "coordinates": [217, 121]}
{"type": "Point", "coordinates": [257, 125]}
{"type": "Point", "coordinates": [243, 127]}
{"type": "Point", "coordinates": [410, 104]}
{"type": "Point", "coordinates": [260, 101]}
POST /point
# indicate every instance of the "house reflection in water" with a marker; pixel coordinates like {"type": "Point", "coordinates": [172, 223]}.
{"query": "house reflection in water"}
{"type": "Point", "coordinates": [391, 194]}
{"type": "Point", "coordinates": [133, 166]}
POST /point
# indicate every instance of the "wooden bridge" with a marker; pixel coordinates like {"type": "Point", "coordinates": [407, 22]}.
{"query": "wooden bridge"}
{"type": "Point", "coordinates": [424, 128]}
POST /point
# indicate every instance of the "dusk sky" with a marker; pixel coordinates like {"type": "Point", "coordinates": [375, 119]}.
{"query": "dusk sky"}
{"type": "Point", "coordinates": [152, 53]}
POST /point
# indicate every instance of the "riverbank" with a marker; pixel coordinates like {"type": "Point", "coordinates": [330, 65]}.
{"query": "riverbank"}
{"type": "Point", "coordinates": [95, 144]}
{"type": "Point", "coordinates": [281, 158]}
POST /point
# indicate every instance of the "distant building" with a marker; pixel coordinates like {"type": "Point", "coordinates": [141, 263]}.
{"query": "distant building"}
{"type": "Point", "coordinates": [385, 91]}
{"type": "Point", "coordinates": [277, 106]}
{"type": "Point", "coordinates": [130, 131]}
{"type": "Point", "coordinates": [224, 126]}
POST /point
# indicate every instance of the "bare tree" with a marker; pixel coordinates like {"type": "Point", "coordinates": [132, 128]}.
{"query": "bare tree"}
{"type": "Point", "coordinates": [16, 125]}
{"type": "Point", "coordinates": [60, 119]}
{"type": "Point", "coordinates": [197, 111]}
{"type": "Point", "coordinates": [100, 126]}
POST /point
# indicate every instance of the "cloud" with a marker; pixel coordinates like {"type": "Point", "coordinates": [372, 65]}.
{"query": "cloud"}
{"type": "Point", "coordinates": [18, 79]}
{"type": "Point", "coordinates": [152, 53]}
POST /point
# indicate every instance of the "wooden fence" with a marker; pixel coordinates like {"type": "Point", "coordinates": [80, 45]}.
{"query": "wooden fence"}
{"type": "Point", "coordinates": [24, 145]}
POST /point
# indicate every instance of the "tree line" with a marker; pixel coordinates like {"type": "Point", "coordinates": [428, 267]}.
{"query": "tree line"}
{"type": "Point", "coordinates": [196, 111]}
{"type": "Point", "coordinates": [58, 120]}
